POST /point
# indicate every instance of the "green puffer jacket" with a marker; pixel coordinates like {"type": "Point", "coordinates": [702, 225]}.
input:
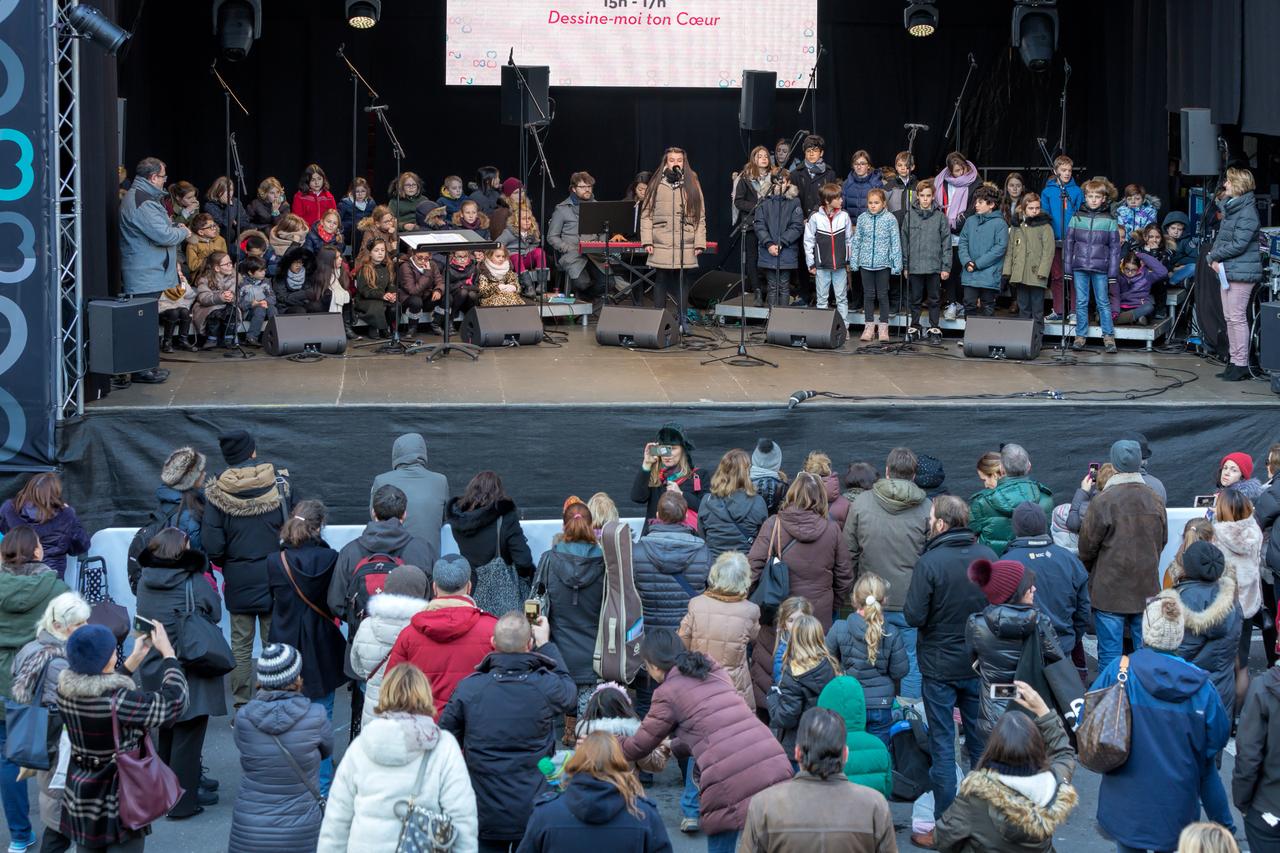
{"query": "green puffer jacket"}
{"type": "Point", "coordinates": [868, 763]}
{"type": "Point", "coordinates": [25, 591]}
{"type": "Point", "coordinates": [991, 510]}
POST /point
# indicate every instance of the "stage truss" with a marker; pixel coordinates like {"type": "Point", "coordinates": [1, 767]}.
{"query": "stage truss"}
{"type": "Point", "coordinates": [64, 96]}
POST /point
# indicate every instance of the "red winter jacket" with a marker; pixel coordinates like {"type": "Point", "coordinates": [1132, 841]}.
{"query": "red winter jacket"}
{"type": "Point", "coordinates": [311, 206]}
{"type": "Point", "coordinates": [445, 641]}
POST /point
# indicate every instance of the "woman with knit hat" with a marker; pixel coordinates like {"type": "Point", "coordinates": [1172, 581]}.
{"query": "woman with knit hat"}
{"type": "Point", "coordinates": [767, 476]}
{"type": "Point", "coordinates": [282, 737]}
{"type": "Point", "coordinates": [1235, 472]}
{"type": "Point", "coordinates": [670, 472]}
{"type": "Point", "coordinates": [181, 492]}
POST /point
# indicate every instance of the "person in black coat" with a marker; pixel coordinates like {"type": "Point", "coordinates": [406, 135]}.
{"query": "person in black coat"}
{"type": "Point", "coordinates": [660, 474]}
{"type": "Point", "coordinates": [812, 174]}
{"type": "Point", "coordinates": [505, 716]}
{"type": "Point", "coordinates": [299, 576]}
{"type": "Point", "coordinates": [730, 516]}
{"type": "Point", "coordinates": [1212, 616]}
{"type": "Point", "coordinates": [573, 571]}
{"type": "Point", "coordinates": [173, 580]}
{"type": "Point", "coordinates": [290, 284]}
{"type": "Point", "coordinates": [474, 517]}
{"type": "Point", "coordinates": [1062, 593]}
{"type": "Point", "coordinates": [1266, 510]}
{"type": "Point", "coordinates": [1255, 782]}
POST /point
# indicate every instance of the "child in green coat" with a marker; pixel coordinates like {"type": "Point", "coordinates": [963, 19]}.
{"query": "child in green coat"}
{"type": "Point", "coordinates": [868, 762]}
{"type": "Point", "coordinates": [1029, 258]}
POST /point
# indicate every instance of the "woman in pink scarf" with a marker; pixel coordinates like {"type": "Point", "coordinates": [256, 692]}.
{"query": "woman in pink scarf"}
{"type": "Point", "coordinates": [953, 184]}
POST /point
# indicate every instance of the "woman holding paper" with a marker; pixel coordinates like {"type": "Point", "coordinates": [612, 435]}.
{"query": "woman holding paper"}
{"type": "Point", "coordinates": [1236, 259]}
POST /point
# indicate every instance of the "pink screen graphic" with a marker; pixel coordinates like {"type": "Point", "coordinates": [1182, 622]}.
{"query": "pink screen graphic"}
{"type": "Point", "coordinates": [643, 43]}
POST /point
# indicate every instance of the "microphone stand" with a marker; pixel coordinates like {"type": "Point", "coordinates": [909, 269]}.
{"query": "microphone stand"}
{"type": "Point", "coordinates": [742, 358]}
{"type": "Point", "coordinates": [239, 174]}
{"type": "Point", "coordinates": [955, 114]}
{"type": "Point", "coordinates": [531, 128]}
{"type": "Point", "coordinates": [356, 80]}
{"type": "Point", "coordinates": [1062, 104]}
{"type": "Point", "coordinates": [812, 88]}
{"type": "Point", "coordinates": [238, 313]}
{"type": "Point", "coordinates": [232, 155]}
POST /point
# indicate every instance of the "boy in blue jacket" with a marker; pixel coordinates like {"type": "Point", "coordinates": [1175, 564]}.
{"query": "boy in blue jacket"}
{"type": "Point", "coordinates": [1060, 198]}
{"type": "Point", "coordinates": [983, 241]}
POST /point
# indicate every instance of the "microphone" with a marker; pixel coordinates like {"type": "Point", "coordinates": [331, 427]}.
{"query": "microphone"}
{"type": "Point", "coordinates": [679, 172]}
{"type": "Point", "coordinates": [821, 50]}
{"type": "Point", "coordinates": [799, 397]}
{"type": "Point", "coordinates": [374, 109]}
{"type": "Point", "coordinates": [341, 48]}
{"type": "Point", "coordinates": [511, 57]}
{"type": "Point", "coordinates": [973, 62]}
{"type": "Point", "coordinates": [913, 126]}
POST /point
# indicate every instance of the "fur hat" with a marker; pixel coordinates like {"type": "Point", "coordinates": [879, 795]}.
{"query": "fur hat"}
{"type": "Point", "coordinates": [237, 446]}
{"type": "Point", "coordinates": [1029, 520]}
{"type": "Point", "coordinates": [768, 454]}
{"type": "Point", "coordinates": [406, 580]}
{"type": "Point", "coordinates": [451, 574]}
{"type": "Point", "coordinates": [1163, 623]}
{"type": "Point", "coordinates": [279, 666]}
{"type": "Point", "coordinates": [1126, 456]}
{"type": "Point", "coordinates": [1001, 581]}
{"type": "Point", "coordinates": [89, 648]}
{"type": "Point", "coordinates": [929, 472]}
{"type": "Point", "coordinates": [1243, 461]}
{"type": "Point", "coordinates": [183, 469]}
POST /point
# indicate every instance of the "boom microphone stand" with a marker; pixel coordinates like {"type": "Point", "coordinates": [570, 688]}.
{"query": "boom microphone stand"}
{"type": "Point", "coordinates": [1062, 104]}
{"type": "Point", "coordinates": [955, 114]}
{"type": "Point", "coordinates": [356, 80]}
{"type": "Point", "coordinates": [742, 358]}
{"type": "Point", "coordinates": [232, 155]}
{"type": "Point", "coordinates": [812, 88]}
{"type": "Point", "coordinates": [530, 127]}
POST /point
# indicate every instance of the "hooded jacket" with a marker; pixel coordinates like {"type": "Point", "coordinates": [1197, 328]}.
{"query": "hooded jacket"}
{"type": "Point", "coordinates": [847, 642]}
{"type": "Point", "coordinates": [1029, 257]}
{"type": "Point", "coordinates": [274, 810]}
{"type": "Point", "coordinates": [476, 533]}
{"type": "Point", "coordinates": [1092, 243]}
{"type": "Point", "coordinates": [1236, 245]}
{"type": "Point", "coordinates": [998, 813]}
{"type": "Point", "coordinates": [506, 715]}
{"type": "Point", "coordinates": [293, 620]}
{"type": "Point", "coordinates": [983, 241]}
{"type": "Point", "coordinates": [425, 491]}
{"type": "Point", "coordinates": [663, 214]}
{"type": "Point", "coordinates": [885, 533]}
{"type": "Point", "coordinates": [1266, 511]}
{"type": "Point", "coordinates": [591, 815]}
{"type": "Point", "coordinates": [162, 595]}
{"type": "Point", "coordinates": [25, 592]}
{"type": "Point", "coordinates": [1121, 538]}
{"type": "Point", "coordinates": [837, 503]}
{"type": "Point", "coordinates": [819, 560]}
{"type": "Point", "coordinates": [779, 222]}
{"type": "Point", "coordinates": [991, 510]}
{"type": "Point", "coordinates": [388, 537]}
{"type": "Point", "coordinates": [411, 281]}
{"type": "Point", "coordinates": [261, 216]}
{"type": "Point", "coordinates": [995, 639]}
{"type": "Point", "coordinates": [855, 189]}
{"type": "Point", "coordinates": [665, 551]}
{"type": "Point", "coordinates": [446, 640]}
{"type": "Point", "coordinates": [289, 297]}
{"type": "Point", "coordinates": [1177, 727]}
{"type": "Point", "coordinates": [1213, 623]}
{"type": "Point", "coordinates": [59, 536]}
{"type": "Point", "coordinates": [1241, 545]}
{"type": "Point", "coordinates": [827, 240]}
{"type": "Point", "coordinates": [1062, 586]}
{"type": "Point", "coordinates": [926, 240]}
{"type": "Point", "coordinates": [149, 241]}
{"type": "Point", "coordinates": [940, 600]}
{"type": "Point", "coordinates": [868, 763]}
{"type": "Point", "coordinates": [388, 615]}
{"type": "Point", "coordinates": [730, 523]}
{"type": "Point", "coordinates": [242, 520]}
{"type": "Point", "coordinates": [379, 769]}
{"type": "Point", "coordinates": [792, 696]}
{"type": "Point", "coordinates": [1255, 782]}
{"type": "Point", "coordinates": [574, 576]}
{"type": "Point", "coordinates": [810, 184]}
{"type": "Point", "coordinates": [722, 629]}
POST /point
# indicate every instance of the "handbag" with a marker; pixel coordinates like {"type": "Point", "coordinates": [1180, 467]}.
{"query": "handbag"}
{"type": "Point", "coordinates": [27, 739]}
{"type": "Point", "coordinates": [499, 589]}
{"type": "Point", "coordinates": [147, 788]}
{"type": "Point", "coordinates": [1106, 733]}
{"type": "Point", "coordinates": [302, 777]}
{"type": "Point", "coordinates": [200, 646]}
{"type": "Point", "coordinates": [774, 584]}
{"type": "Point", "coordinates": [422, 830]}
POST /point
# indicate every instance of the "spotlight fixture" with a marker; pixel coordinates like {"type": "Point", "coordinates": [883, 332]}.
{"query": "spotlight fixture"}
{"type": "Point", "coordinates": [363, 14]}
{"type": "Point", "coordinates": [1035, 32]}
{"type": "Point", "coordinates": [89, 22]}
{"type": "Point", "coordinates": [920, 19]}
{"type": "Point", "coordinates": [237, 23]}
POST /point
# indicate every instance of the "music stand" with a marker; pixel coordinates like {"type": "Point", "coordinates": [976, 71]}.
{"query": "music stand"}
{"type": "Point", "coordinates": [447, 241]}
{"type": "Point", "coordinates": [606, 218]}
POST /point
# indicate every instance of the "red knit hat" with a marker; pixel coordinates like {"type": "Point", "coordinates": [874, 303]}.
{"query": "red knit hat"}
{"type": "Point", "coordinates": [510, 185]}
{"type": "Point", "coordinates": [999, 580]}
{"type": "Point", "coordinates": [1243, 461]}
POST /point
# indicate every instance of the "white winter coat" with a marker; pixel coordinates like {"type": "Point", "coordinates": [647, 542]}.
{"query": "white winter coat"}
{"type": "Point", "coordinates": [388, 615]}
{"type": "Point", "coordinates": [1241, 544]}
{"type": "Point", "coordinates": [379, 769]}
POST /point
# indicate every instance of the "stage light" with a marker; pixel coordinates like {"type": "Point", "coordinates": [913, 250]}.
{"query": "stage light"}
{"type": "Point", "coordinates": [1035, 32]}
{"type": "Point", "coordinates": [89, 22]}
{"type": "Point", "coordinates": [237, 23]}
{"type": "Point", "coordinates": [363, 14]}
{"type": "Point", "coordinates": [920, 19]}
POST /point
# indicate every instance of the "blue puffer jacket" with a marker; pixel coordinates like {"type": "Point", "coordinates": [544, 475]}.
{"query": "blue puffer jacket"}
{"type": "Point", "coordinates": [1060, 201]}
{"type": "Point", "coordinates": [1177, 727]}
{"type": "Point", "coordinates": [667, 550]}
{"type": "Point", "coordinates": [1092, 244]}
{"type": "Point", "coordinates": [780, 222]}
{"type": "Point", "coordinates": [876, 243]}
{"type": "Point", "coordinates": [1237, 243]}
{"type": "Point", "coordinates": [983, 240]}
{"type": "Point", "coordinates": [855, 191]}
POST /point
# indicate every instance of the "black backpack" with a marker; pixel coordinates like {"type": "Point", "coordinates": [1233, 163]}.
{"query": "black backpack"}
{"type": "Point", "coordinates": [367, 580]}
{"type": "Point", "coordinates": [158, 521]}
{"type": "Point", "coordinates": [909, 749]}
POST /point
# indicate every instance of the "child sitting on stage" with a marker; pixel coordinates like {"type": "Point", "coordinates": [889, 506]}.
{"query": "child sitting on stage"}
{"type": "Point", "coordinates": [313, 197]}
{"type": "Point", "coordinates": [326, 231]}
{"type": "Point", "coordinates": [213, 313]}
{"type": "Point", "coordinates": [203, 241]}
{"type": "Point", "coordinates": [1139, 274]}
{"type": "Point", "coordinates": [266, 210]}
{"type": "Point", "coordinates": [175, 316]}
{"type": "Point", "coordinates": [521, 242]}
{"type": "Point", "coordinates": [406, 195]}
{"type": "Point", "coordinates": [1137, 211]}
{"type": "Point", "coordinates": [290, 231]}
{"type": "Point", "coordinates": [420, 287]}
{"type": "Point", "coordinates": [983, 240]}
{"type": "Point", "coordinates": [254, 244]}
{"type": "Point", "coordinates": [450, 196]}
{"type": "Point", "coordinates": [497, 281]}
{"type": "Point", "coordinates": [375, 294]}
{"type": "Point", "coordinates": [1181, 247]}
{"type": "Point", "coordinates": [470, 217]}
{"type": "Point", "coordinates": [1151, 241]}
{"type": "Point", "coordinates": [827, 237]}
{"type": "Point", "coordinates": [257, 299]}
{"type": "Point", "coordinates": [1029, 259]}
{"type": "Point", "coordinates": [460, 278]}
{"type": "Point", "coordinates": [290, 283]}
{"type": "Point", "coordinates": [184, 203]}
{"type": "Point", "coordinates": [355, 206]}
{"type": "Point", "coordinates": [221, 203]}
{"type": "Point", "coordinates": [381, 224]}
{"type": "Point", "coordinates": [877, 251]}
{"type": "Point", "coordinates": [1091, 261]}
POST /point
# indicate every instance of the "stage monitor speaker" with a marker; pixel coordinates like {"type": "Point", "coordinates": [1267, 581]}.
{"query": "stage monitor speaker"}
{"type": "Point", "coordinates": [714, 287]}
{"type": "Point", "coordinates": [537, 110]}
{"type": "Point", "coordinates": [290, 334]}
{"type": "Point", "coordinates": [503, 326]}
{"type": "Point", "coordinates": [641, 328]}
{"type": "Point", "coordinates": [755, 110]}
{"type": "Point", "coordinates": [1269, 336]}
{"type": "Point", "coordinates": [808, 328]}
{"type": "Point", "coordinates": [124, 335]}
{"type": "Point", "coordinates": [992, 337]}
{"type": "Point", "coordinates": [1199, 143]}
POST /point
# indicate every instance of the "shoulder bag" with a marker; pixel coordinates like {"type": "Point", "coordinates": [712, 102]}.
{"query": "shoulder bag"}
{"type": "Point", "coordinates": [288, 572]}
{"type": "Point", "coordinates": [1105, 734]}
{"type": "Point", "coordinates": [499, 588]}
{"type": "Point", "coordinates": [422, 830]}
{"type": "Point", "coordinates": [147, 788]}
{"type": "Point", "coordinates": [27, 739]}
{"type": "Point", "coordinates": [200, 646]}
{"type": "Point", "coordinates": [302, 777]}
{"type": "Point", "coordinates": [774, 584]}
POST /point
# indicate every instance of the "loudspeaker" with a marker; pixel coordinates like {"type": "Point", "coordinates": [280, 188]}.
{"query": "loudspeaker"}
{"type": "Point", "coordinates": [714, 287]}
{"type": "Point", "coordinates": [1269, 336]}
{"type": "Point", "coordinates": [535, 97]}
{"type": "Point", "coordinates": [1199, 143]}
{"type": "Point", "coordinates": [809, 328]}
{"type": "Point", "coordinates": [124, 335]}
{"type": "Point", "coordinates": [290, 334]}
{"type": "Point", "coordinates": [644, 328]}
{"type": "Point", "coordinates": [755, 110]}
{"type": "Point", "coordinates": [991, 337]}
{"type": "Point", "coordinates": [502, 326]}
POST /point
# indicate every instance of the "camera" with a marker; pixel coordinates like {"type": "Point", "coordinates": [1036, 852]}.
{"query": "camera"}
{"type": "Point", "coordinates": [532, 610]}
{"type": "Point", "coordinates": [663, 450]}
{"type": "Point", "coordinates": [143, 625]}
{"type": "Point", "coordinates": [1004, 691]}
{"type": "Point", "coordinates": [1205, 501]}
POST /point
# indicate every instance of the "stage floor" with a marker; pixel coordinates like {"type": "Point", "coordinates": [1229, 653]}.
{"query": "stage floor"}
{"type": "Point", "coordinates": [580, 372]}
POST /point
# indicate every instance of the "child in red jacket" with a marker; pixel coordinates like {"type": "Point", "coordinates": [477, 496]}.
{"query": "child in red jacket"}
{"type": "Point", "coordinates": [313, 197]}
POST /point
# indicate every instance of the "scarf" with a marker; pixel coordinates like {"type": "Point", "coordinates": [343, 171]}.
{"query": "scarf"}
{"type": "Point", "coordinates": [324, 235]}
{"type": "Point", "coordinates": [295, 280]}
{"type": "Point", "coordinates": [815, 169]}
{"type": "Point", "coordinates": [758, 473]}
{"type": "Point", "coordinates": [420, 732]}
{"type": "Point", "coordinates": [497, 271]}
{"type": "Point", "coordinates": [340, 295]}
{"type": "Point", "coordinates": [761, 184]}
{"type": "Point", "coordinates": [956, 190]}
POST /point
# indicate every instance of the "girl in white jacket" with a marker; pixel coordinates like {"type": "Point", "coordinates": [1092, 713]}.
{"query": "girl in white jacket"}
{"type": "Point", "coordinates": [403, 596]}
{"type": "Point", "coordinates": [381, 768]}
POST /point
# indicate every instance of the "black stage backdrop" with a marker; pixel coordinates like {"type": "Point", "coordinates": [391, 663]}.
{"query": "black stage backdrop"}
{"type": "Point", "coordinates": [112, 458]}
{"type": "Point", "coordinates": [874, 79]}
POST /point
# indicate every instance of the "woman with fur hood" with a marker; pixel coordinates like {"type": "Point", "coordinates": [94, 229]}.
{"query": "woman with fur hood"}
{"type": "Point", "coordinates": [1020, 791]}
{"type": "Point", "coordinates": [609, 709]}
{"type": "Point", "coordinates": [403, 596]}
{"type": "Point", "coordinates": [1237, 534]}
{"type": "Point", "coordinates": [1212, 616]}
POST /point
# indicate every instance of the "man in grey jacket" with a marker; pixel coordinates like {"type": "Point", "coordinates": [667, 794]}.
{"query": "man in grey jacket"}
{"type": "Point", "coordinates": [425, 491]}
{"type": "Point", "coordinates": [585, 274]}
